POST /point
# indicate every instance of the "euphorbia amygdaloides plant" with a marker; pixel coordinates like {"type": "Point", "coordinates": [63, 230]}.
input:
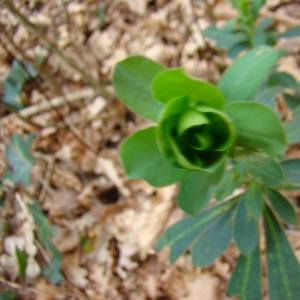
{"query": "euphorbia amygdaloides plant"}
{"type": "Point", "coordinates": [212, 140]}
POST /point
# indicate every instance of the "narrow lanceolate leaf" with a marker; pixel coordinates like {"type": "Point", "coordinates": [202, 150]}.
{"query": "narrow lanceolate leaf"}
{"type": "Point", "coordinates": [230, 181]}
{"type": "Point", "coordinates": [246, 278]}
{"type": "Point", "coordinates": [283, 270]}
{"type": "Point", "coordinates": [236, 49]}
{"type": "Point", "coordinates": [284, 80]}
{"type": "Point", "coordinates": [44, 227]}
{"type": "Point", "coordinates": [174, 83]}
{"type": "Point", "coordinates": [245, 228]}
{"type": "Point", "coordinates": [142, 159]}
{"type": "Point", "coordinates": [22, 261]}
{"type": "Point", "coordinates": [45, 233]}
{"type": "Point", "coordinates": [213, 241]}
{"type": "Point", "coordinates": [292, 127]}
{"type": "Point", "coordinates": [291, 171]}
{"type": "Point", "coordinates": [52, 271]}
{"type": "Point", "coordinates": [291, 100]}
{"type": "Point", "coordinates": [18, 153]}
{"type": "Point", "coordinates": [294, 31]}
{"type": "Point", "coordinates": [268, 96]}
{"type": "Point", "coordinates": [241, 79]}
{"type": "Point", "coordinates": [258, 38]}
{"type": "Point", "coordinates": [267, 173]}
{"type": "Point", "coordinates": [256, 6]}
{"type": "Point", "coordinates": [132, 80]}
{"type": "Point", "coordinates": [196, 189]}
{"type": "Point", "coordinates": [257, 127]}
{"type": "Point", "coordinates": [181, 235]}
{"type": "Point", "coordinates": [254, 200]}
{"type": "Point", "coordinates": [282, 207]}
{"type": "Point", "coordinates": [224, 39]}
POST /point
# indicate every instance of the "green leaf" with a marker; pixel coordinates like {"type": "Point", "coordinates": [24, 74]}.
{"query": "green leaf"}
{"type": "Point", "coordinates": [12, 95]}
{"type": "Point", "coordinates": [18, 153]}
{"type": "Point", "coordinates": [283, 79]}
{"type": "Point", "coordinates": [245, 228]}
{"type": "Point", "coordinates": [265, 23]}
{"type": "Point", "coordinates": [256, 6]}
{"type": "Point", "coordinates": [268, 96]}
{"type": "Point", "coordinates": [196, 189]}
{"type": "Point", "coordinates": [13, 84]}
{"type": "Point", "coordinates": [254, 200]}
{"type": "Point", "coordinates": [17, 75]}
{"type": "Point", "coordinates": [282, 207]}
{"type": "Point", "coordinates": [132, 80]}
{"type": "Point", "coordinates": [230, 181]}
{"type": "Point", "coordinates": [292, 127]}
{"type": "Point", "coordinates": [257, 127]}
{"type": "Point", "coordinates": [293, 32]}
{"type": "Point", "coordinates": [100, 12]}
{"type": "Point", "coordinates": [44, 232]}
{"type": "Point", "coordinates": [8, 295]}
{"type": "Point", "coordinates": [291, 100]}
{"type": "Point", "coordinates": [267, 173]}
{"type": "Point", "coordinates": [181, 235]}
{"type": "Point", "coordinates": [30, 69]}
{"type": "Point", "coordinates": [213, 241]}
{"type": "Point", "coordinates": [141, 158]}
{"type": "Point", "coordinates": [246, 277]}
{"type": "Point", "coordinates": [291, 171]}
{"type": "Point", "coordinates": [53, 270]}
{"type": "Point", "coordinates": [236, 49]}
{"type": "Point", "coordinates": [242, 78]}
{"type": "Point", "coordinates": [258, 38]}
{"type": "Point", "coordinates": [174, 83]}
{"type": "Point", "coordinates": [283, 270]}
{"type": "Point", "coordinates": [224, 38]}
{"type": "Point", "coordinates": [22, 261]}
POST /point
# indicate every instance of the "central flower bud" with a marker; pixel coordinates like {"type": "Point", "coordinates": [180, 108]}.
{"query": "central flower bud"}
{"type": "Point", "coordinates": [194, 137]}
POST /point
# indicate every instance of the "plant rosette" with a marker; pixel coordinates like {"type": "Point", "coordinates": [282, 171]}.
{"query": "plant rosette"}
{"type": "Point", "coordinates": [198, 124]}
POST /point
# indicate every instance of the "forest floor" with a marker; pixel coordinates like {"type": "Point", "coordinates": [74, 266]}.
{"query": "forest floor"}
{"type": "Point", "coordinates": [106, 225]}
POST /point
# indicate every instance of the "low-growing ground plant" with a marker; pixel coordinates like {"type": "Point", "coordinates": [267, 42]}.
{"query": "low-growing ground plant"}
{"type": "Point", "coordinates": [20, 163]}
{"type": "Point", "coordinates": [226, 143]}
{"type": "Point", "coordinates": [248, 30]}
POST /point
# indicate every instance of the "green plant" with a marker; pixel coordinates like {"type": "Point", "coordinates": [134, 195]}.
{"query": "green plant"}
{"type": "Point", "coordinates": [8, 295]}
{"type": "Point", "coordinates": [13, 84]}
{"type": "Point", "coordinates": [21, 161]}
{"type": "Point", "coordinates": [247, 31]}
{"type": "Point", "coordinates": [213, 140]}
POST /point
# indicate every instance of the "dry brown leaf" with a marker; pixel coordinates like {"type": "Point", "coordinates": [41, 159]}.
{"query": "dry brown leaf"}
{"type": "Point", "coordinates": [75, 274]}
{"type": "Point", "coordinates": [61, 202]}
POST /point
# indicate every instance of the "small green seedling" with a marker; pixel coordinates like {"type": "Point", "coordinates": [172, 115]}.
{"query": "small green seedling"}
{"type": "Point", "coordinates": [13, 84]}
{"type": "Point", "coordinates": [248, 30]}
{"type": "Point", "coordinates": [212, 141]}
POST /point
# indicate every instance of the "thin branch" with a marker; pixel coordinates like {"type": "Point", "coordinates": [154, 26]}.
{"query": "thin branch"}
{"type": "Point", "coordinates": [63, 123]}
{"type": "Point", "coordinates": [39, 33]}
{"type": "Point", "coordinates": [16, 112]}
{"type": "Point", "coordinates": [16, 286]}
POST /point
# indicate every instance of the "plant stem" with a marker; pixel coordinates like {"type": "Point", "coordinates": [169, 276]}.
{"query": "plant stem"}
{"type": "Point", "coordinates": [15, 111]}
